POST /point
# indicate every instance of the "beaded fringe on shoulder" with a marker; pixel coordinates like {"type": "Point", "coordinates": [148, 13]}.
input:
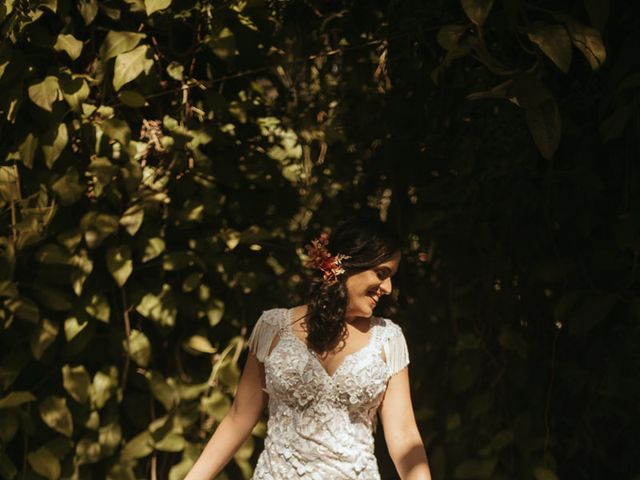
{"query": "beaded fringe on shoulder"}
{"type": "Point", "coordinates": [396, 352]}
{"type": "Point", "coordinates": [261, 338]}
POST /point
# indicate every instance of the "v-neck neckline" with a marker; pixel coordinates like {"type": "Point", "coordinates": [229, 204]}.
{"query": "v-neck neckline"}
{"type": "Point", "coordinates": [312, 354]}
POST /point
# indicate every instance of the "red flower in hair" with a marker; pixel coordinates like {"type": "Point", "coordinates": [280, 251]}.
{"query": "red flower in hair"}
{"type": "Point", "coordinates": [320, 258]}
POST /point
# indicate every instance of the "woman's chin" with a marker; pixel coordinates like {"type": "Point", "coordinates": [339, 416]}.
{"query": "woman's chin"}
{"type": "Point", "coordinates": [360, 313]}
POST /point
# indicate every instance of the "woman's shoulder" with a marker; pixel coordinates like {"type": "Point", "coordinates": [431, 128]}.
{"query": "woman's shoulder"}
{"type": "Point", "coordinates": [389, 327]}
{"type": "Point", "coordinates": [274, 316]}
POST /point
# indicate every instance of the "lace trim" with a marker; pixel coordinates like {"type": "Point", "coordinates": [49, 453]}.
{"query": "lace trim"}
{"type": "Point", "coordinates": [395, 350]}
{"type": "Point", "coordinates": [262, 335]}
{"type": "Point", "coordinates": [372, 343]}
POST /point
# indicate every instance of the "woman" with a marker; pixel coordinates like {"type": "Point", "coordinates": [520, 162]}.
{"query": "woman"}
{"type": "Point", "coordinates": [326, 369]}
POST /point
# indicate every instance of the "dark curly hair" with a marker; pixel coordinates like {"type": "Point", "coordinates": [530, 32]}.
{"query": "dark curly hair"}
{"type": "Point", "coordinates": [368, 242]}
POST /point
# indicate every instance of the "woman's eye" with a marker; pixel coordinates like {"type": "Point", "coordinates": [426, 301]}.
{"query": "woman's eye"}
{"type": "Point", "coordinates": [381, 274]}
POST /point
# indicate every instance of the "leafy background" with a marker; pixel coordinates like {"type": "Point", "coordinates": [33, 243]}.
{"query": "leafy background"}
{"type": "Point", "coordinates": [163, 162]}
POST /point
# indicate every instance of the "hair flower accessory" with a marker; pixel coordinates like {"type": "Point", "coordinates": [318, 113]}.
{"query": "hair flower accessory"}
{"type": "Point", "coordinates": [320, 258]}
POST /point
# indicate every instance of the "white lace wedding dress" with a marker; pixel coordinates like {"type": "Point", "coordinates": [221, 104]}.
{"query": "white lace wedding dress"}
{"type": "Point", "coordinates": [321, 426]}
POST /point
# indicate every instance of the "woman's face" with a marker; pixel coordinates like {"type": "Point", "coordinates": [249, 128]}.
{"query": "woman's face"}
{"type": "Point", "coordinates": [366, 288]}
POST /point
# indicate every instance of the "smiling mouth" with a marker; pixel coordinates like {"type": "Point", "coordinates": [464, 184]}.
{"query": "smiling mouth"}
{"type": "Point", "coordinates": [374, 298]}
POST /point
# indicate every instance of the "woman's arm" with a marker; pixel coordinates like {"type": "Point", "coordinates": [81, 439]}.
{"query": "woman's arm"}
{"type": "Point", "coordinates": [237, 424]}
{"type": "Point", "coordinates": [400, 430]}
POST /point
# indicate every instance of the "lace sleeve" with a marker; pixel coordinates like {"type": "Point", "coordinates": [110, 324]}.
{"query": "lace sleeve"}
{"type": "Point", "coordinates": [262, 335]}
{"type": "Point", "coordinates": [395, 349]}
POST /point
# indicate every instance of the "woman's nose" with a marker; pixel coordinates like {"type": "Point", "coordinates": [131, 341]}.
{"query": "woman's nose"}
{"type": "Point", "coordinates": [386, 286]}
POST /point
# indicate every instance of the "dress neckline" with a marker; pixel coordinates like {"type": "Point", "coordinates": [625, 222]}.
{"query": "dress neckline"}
{"type": "Point", "coordinates": [289, 329]}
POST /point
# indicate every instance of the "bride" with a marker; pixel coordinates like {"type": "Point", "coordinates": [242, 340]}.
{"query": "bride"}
{"type": "Point", "coordinates": [325, 370]}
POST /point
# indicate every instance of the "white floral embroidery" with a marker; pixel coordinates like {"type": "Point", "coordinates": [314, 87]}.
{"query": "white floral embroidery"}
{"type": "Point", "coordinates": [321, 426]}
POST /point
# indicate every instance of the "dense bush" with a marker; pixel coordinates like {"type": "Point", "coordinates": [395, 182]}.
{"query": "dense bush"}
{"type": "Point", "coordinates": [163, 162]}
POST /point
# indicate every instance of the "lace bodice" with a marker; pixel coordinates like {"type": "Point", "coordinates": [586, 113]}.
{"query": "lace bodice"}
{"type": "Point", "coordinates": [321, 426]}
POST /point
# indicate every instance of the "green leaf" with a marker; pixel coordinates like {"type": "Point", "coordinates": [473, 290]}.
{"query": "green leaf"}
{"type": "Point", "coordinates": [75, 90]}
{"type": "Point", "coordinates": [153, 248]}
{"type": "Point", "coordinates": [93, 421]}
{"type": "Point", "coordinates": [111, 12]}
{"type": "Point", "coordinates": [177, 260]}
{"type": "Point", "coordinates": [477, 10]}
{"type": "Point", "coordinates": [198, 344]}
{"type": "Point", "coordinates": [59, 446]}
{"type": "Point", "coordinates": [116, 43]}
{"type": "Point", "coordinates": [51, 297]}
{"type": "Point", "coordinates": [45, 93]}
{"type": "Point", "coordinates": [103, 170]}
{"type": "Point", "coordinates": [215, 311]}
{"type": "Point", "coordinates": [216, 405]}
{"type": "Point", "coordinates": [27, 149]}
{"type": "Point", "coordinates": [589, 41]}
{"type": "Point", "coordinates": [190, 391]}
{"type": "Point", "coordinates": [135, 5]}
{"type": "Point", "coordinates": [475, 468]}
{"type": "Point", "coordinates": [72, 327]}
{"type": "Point", "coordinates": [132, 99]}
{"type": "Point", "coordinates": [109, 437]}
{"type": "Point", "coordinates": [43, 337]}
{"type": "Point", "coordinates": [9, 190]}
{"type": "Point", "coordinates": [69, 44]}
{"type": "Point", "coordinates": [139, 348]}
{"type": "Point", "coordinates": [45, 463]}
{"type": "Point", "coordinates": [171, 442]}
{"type": "Point", "coordinates": [138, 447]}
{"type": "Point", "coordinates": [223, 45]}
{"type": "Point", "coordinates": [121, 471]}
{"type": "Point", "coordinates": [448, 36]}
{"type": "Point", "coordinates": [117, 130]}
{"type": "Point", "coordinates": [68, 187]}
{"type": "Point", "coordinates": [229, 373]}
{"type": "Point", "coordinates": [8, 425]}
{"type": "Point", "coordinates": [52, 254]}
{"type": "Point", "coordinates": [152, 6]}
{"type": "Point", "coordinates": [192, 281]}
{"type": "Point", "coordinates": [246, 450]}
{"type": "Point", "coordinates": [76, 382]}
{"type": "Point", "coordinates": [132, 218]}
{"type": "Point", "coordinates": [119, 263]}
{"type": "Point", "coordinates": [104, 386]}
{"type": "Point", "coordinates": [545, 127]}
{"type": "Point", "coordinates": [175, 71]}
{"type": "Point", "coordinates": [98, 226]}
{"type": "Point", "coordinates": [542, 473]}
{"type": "Point", "coordinates": [180, 470]}
{"type": "Point", "coordinates": [161, 391]}
{"type": "Point", "coordinates": [88, 10]}
{"type": "Point", "coordinates": [527, 91]}
{"type": "Point", "coordinates": [87, 451]}
{"type": "Point", "coordinates": [7, 469]}
{"type": "Point", "coordinates": [160, 308]}
{"type": "Point", "coordinates": [49, 4]}
{"type": "Point", "coordinates": [55, 413]}
{"type": "Point", "coordinates": [98, 307]}
{"type": "Point", "coordinates": [14, 399]}
{"type": "Point", "coordinates": [11, 367]}
{"type": "Point", "coordinates": [53, 143]}
{"type": "Point", "coordinates": [130, 65]}
{"type": "Point", "coordinates": [23, 308]}
{"type": "Point", "coordinates": [554, 41]}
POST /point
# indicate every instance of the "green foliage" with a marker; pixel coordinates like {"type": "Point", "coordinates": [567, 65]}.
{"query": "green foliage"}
{"type": "Point", "coordinates": [163, 162]}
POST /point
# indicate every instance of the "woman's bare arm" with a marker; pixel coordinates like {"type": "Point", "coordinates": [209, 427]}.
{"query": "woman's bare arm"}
{"type": "Point", "coordinates": [236, 426]}
{"type": "Point", "coordinates": [401, 432]}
